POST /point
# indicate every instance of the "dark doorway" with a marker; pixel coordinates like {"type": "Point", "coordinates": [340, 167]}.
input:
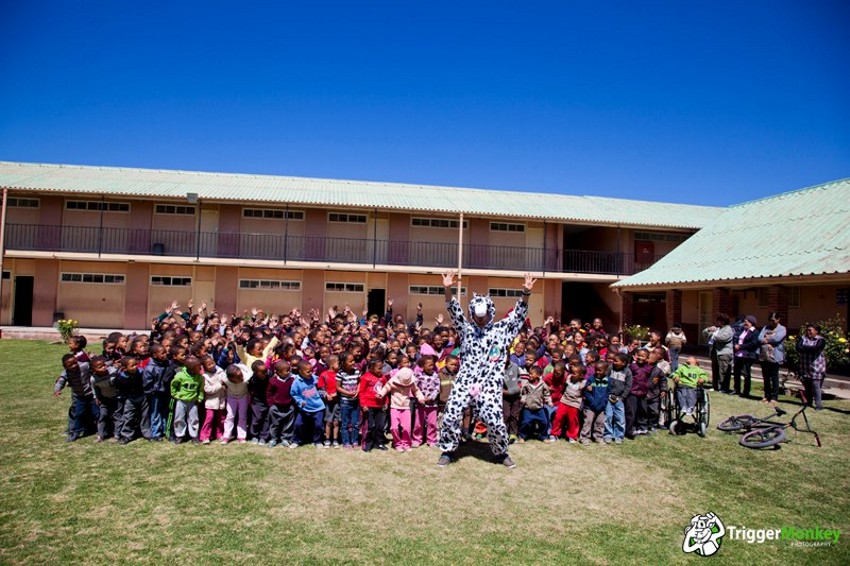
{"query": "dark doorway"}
{"type": "Point", "coordinates": [582, 300]}
{"type": "Point", "coordinates": [22, 313]}
{"type": "Point", "coordinates": [650, 309]}
{"type": "Point", "coordinates": [377, 302]}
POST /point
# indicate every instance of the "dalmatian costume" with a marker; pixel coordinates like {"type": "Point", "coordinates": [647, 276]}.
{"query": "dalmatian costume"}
{"type": "Point", "coordinates": [482, 371]}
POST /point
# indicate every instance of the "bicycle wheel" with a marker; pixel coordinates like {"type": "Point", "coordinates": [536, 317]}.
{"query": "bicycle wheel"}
{"type": "Point", "coordinates": [763, 437]}
{"type": "Point", "coordinates": [704, 416]}
{"type": "Point", "coordinates": [737, 422]}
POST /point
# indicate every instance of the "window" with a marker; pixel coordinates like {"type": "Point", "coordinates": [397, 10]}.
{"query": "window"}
{"type": "Point", "coordinates": [345, 217]}
{"type": "Point", "coordinates": [7, 275]}
{"type": "Point", "coordinates": [661, 237]}
{"type": "Point", "coordinates": [794, 297]}
{"type": "Point", "coordinates": [437, 222]}
{"type": "Point", "coordinates": [19, 202]}
{"type": "Point", "coordinates": [506, 227]}
{"type": "Point", "coordinates": [272, 213]}
{"type": "Point", "coordinates": [97, 205]}
{"type": "Point", "coordinates": [175, 209]}
{"type": "Point", "coordinates": [514, 293]}
{"type": "Point", "coordinates": [109, 278]}
{"type": "Point", "coordinates": [761, 297]}
{"type": "Point", "coordinates": [344, 287]}
{"type": "Point", "coordinates": [433, 290]}
{"type": "Point", "coordinates": [171, 281]}
{"type": "Point", "coordinates": [269, 285]}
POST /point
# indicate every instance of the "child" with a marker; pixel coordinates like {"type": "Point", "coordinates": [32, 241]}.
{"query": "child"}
{"type": "Point", "coordinates": [619, 386]}
{"type": "Point", "coordinates": [78, 376]}
{"type": "Point", "coordinates": [128, 381]}
{"type": "Point", "coordinates": [675, 340]}
{"type": "Point", "coordinates": [595, 404]}
{"type": "Point", "coordinates": [535, 398]}
{"type": "Point", "coordinates": [328, 386]}
{"type": "Point", "coordinates": [657, 388]}
{"type": "Point", "coordinates": [106, 397]}
{"type": "Point", "coordinates": [511, 404]}
{"type": "Point", "coordinates": [215, 393]}
{"type": "Point", "coordinates": [447, 378]}
{"type": "Point", "coordinates": [557, 382]}
{"type": "Point", "coordinates": [401, 388]}
{"type": "Point", "coordinates": [237, 405]}
{"type": "Point", "coordinates": [281, 407]}
{"type": "Point", "coordinates": [687, 378]}
{"type": "Point", "coordinates": [187, 389]}
{"type": "Point", "coordinates": [258, 386]}
{"type": "Point", "coordinates": [77, 346]}
{"type": "Point", "coordinates": [571, 401]}
{"type": "Point", "coordinates": [428, 382]}
{"type": "Point", "coordinates": [636, 400]}
{"type": "Point", "coordinates": [348, 380]}
{"type": "Point", "coordinates": [309, 405]}
{"type": "Point", "coordinates": [372, 405]}
{"type": "Point", "coordinates": [153, 383]}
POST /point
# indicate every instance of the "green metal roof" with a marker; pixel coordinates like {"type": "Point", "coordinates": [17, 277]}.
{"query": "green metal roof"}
{"type": "Point", "coordinates": [804, 232]}
{"type": "Point", "coordinates": [146, 183]}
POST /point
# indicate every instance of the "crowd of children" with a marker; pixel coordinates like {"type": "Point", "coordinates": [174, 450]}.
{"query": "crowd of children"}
{"type": "Point", "coordinates": [348, 381]}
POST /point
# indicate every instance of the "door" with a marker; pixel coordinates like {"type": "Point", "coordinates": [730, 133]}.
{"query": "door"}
{"type": "Point", "coordinates": [209, 232]}
{"type": "Point", "coordinates": [705, 317]}
{"type": "Point", "coordinates": [377, 301]}
{"type": "Point", "coordinates": [22, 304]}
{"type": "Point", "coordinates": [644, 255]}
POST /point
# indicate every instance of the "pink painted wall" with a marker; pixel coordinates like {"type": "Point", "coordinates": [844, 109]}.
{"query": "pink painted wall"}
{"type": "Point", "coordinates": [226, 288]}
{"type": "Point", "coordinates": [46, 285]}
{"type": "Point", "coordinates": [313, 290]}
{"type": "Point", "coordinates": [136, 296]}
{"type": "Point", "coordinates": [397, 290]}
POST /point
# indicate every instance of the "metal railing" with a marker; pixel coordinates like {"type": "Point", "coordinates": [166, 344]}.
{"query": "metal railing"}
{"type": "Point", "coordinates": [84, 239]}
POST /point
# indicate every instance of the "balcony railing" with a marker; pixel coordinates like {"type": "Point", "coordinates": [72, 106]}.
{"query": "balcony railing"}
{"type": "Point", "coordinates": [83, 239]}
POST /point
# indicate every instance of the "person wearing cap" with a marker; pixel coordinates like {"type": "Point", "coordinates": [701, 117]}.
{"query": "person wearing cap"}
{"type": "Point", "coordinates": [484, 348]}
{"type": "Point", "coordinates": [401, 389]}
{"type": "Point", "coordinates": [746, 346]}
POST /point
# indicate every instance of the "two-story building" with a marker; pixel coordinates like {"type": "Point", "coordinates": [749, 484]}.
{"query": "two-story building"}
{"type": "Point", "coordinates": [112, 247]}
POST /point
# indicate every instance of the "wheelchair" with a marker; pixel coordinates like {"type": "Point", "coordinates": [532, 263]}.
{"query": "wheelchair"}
{"type": "Point", "coordinates": [675, 416]}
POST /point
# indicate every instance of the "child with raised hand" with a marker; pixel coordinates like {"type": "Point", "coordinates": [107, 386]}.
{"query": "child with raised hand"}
{"type": "Point", "coordinates": [215, 394]}
{"type": "Point", "coordinates": [401, 388]}
{"type": "Point", "coordinates": [595, 403]}
{"type": "Point", "coordinates": [428, 382]}
{"type": "Point", "coordinates": [258, 386]}
{"type": "Point", "coordinates": [535, 398]}
{"type": "Point", "coordinates": [281, 406]}
{"type": "Point", "coordinates": [310, 407]}
{"type": "Point", "coordinates": [348, 381]}
{"type": "Point", "coordinates": [128, 381]}
{"type": "Point", "coordinates": [372, 405]}
{"type": "Point", "coordinates": [187, 390]}
{"type": "Point", "coordinates": [328, 387]}
{"type": "Point", "coordinates": [78, 376]}
{"type": "Point", "coordinates": [619, 386]}
{"type": "Point", "coordinates": [237, 405]}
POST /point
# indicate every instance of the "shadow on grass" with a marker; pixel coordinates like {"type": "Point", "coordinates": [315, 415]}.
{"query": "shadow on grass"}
{"type": "Point", "coordinates": [478, 450]}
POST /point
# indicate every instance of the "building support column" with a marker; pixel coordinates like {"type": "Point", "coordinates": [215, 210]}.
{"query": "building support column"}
{"type": "Point", "coordinates": [674, 308]}
{"type": "Point", "coordinates": [627, 308]}
{"type": "Point", "coordinates": [721, 300]}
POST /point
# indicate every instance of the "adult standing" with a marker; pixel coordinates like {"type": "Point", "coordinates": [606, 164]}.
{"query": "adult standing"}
{"type": "Point", "coordinates": [484, 348]}
{"type": "Point", "coordinates": [771, 356]}
{"type": "Point", "coordinates": [746, 346]}
{"type": "Point", "coordinates": [721, 352]}
{"type": "Point", "coordinates": [812, 364]}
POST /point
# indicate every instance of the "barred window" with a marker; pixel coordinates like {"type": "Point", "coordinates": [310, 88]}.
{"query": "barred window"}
{"type": "Point", "coordinates": [433, 290]}
{"type": "Point", "coordinates": [347, 217]}
{"type": "Point", "coordinates": [269, 285]}
{"type": "Point", "coordinates": [661, 237]}
{"type": "Point", "coordinates": [171, 281]}
{"type": "Point", "coordinates": [97, 205]}
{"type": "Point", "coordinates": [20, 202]}
{"type": "Point", "coordinates": [437, 222]}
{"type": "Point", "coordinates": [272, 213]}
{"type": "Point", "coordinates": [497, 292]}
{"type": "Point", "coordinates": [340, 287]}
{"type": "Point", "coordinates": [181, 209]}
{"type": "Point", "coordinates": [109, 278]}
{"type": "Point", "coordinates": [506, 227]}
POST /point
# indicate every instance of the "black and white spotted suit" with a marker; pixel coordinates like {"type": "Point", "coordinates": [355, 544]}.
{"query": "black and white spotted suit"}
{"type": "Point", "coordinates": [482, 355]}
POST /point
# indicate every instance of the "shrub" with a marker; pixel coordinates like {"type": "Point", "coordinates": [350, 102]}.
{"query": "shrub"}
{"type": "Point", "coordinates": [67, 328]}
{"type": "Point", "coordinates": [836, 351]}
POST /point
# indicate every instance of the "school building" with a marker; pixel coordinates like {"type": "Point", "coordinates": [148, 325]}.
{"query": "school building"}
{"type": "Point", "coordinates": [111, 247]}
{"type": "Point", "coordinates": [788, 254]}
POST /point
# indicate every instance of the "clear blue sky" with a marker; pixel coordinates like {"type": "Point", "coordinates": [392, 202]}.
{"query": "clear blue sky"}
{"type": "Point", "coordinates": [706, 102]}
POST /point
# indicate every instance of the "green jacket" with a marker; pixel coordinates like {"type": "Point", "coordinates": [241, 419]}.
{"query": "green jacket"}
{"type": "Point", "coordinates": [688, 375]}
{"type": "Point", "coordinates": [186, 387]}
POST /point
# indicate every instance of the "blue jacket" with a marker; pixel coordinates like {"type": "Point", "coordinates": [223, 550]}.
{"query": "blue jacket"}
{"type": "Point", "coordinates": [129, 385]}
{"type": "Point", "coordinates": [597, 397]}
{"type": "Point", "coordinates": [152, 378]}
{"type": "Point", "coordinates": [306, 395]}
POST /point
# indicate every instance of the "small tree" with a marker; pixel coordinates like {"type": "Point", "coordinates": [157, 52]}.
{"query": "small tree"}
{"type": "Point", "coordinates": [67, 328]}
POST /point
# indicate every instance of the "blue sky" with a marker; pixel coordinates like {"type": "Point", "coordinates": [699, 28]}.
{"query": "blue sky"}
{"type": "Point", "coordinates": [682, 101]}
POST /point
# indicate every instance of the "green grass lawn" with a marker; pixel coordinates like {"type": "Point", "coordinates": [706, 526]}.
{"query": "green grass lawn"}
{"type": "Point", "coordinates": [159, 503]}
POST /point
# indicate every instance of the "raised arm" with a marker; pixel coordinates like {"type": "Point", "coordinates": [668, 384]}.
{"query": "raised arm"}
{"type": "Point", "coordinates": [454, 308]}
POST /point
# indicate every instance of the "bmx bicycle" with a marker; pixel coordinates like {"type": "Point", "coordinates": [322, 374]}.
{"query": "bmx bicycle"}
{"type": "Point", "coordinates": [764, 432]}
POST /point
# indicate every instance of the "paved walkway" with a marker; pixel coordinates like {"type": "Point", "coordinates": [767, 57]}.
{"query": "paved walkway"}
{"type": "Point", "coordinates": [835, 385]}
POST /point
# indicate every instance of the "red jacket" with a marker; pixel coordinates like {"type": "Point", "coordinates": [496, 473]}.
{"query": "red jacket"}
{"type": "Point", "coordinates": [369, 383]}
{"type": "Point", "coordinates": [556, 385]}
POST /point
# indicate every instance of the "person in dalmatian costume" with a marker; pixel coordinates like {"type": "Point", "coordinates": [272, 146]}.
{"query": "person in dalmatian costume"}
{"type": "Point", "coordinates": [485, 346]}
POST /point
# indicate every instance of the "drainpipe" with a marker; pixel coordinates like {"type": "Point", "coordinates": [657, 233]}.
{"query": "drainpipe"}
{"type": "Point", "coordinates": [459, 254]}
{"type": "Point", "coordinates": [375, 240]}
{"type": "Point", "coordinates": [285, 233]}
{"type": "Point", "coordinates": [544, 248]}
{"type": "Point", "coordinates": [100, 228]}
{"type": "Point", "coordinates": [2, 238]}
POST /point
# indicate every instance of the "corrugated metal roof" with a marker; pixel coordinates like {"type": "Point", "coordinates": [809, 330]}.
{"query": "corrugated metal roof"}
{"type": "Point", "coordinates": [804, 232]}
{"type": "Point", "coordinates": [363, 194]}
